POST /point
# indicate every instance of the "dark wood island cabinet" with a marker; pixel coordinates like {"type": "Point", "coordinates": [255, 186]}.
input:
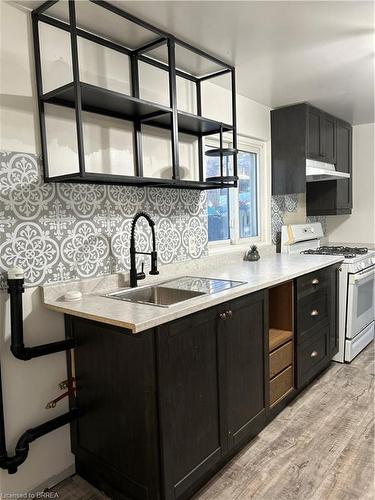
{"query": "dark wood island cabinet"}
{"type": "Point", "coordinates": [162, 410]}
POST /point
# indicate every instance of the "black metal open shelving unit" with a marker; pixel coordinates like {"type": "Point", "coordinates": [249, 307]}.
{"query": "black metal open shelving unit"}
{"type": "Point", "coordinates": [82, 97]}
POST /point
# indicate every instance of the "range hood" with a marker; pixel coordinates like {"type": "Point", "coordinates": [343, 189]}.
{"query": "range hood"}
{"type": "Point", "coordinates": [320, 171]}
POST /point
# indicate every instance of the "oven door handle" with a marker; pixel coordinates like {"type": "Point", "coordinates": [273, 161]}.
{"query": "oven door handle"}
{"type": "Point", "coordinates": [355, 278]}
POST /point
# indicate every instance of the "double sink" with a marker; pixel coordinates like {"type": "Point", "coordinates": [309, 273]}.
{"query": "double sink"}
{"type": "Point", "coordinates": [174, 291]}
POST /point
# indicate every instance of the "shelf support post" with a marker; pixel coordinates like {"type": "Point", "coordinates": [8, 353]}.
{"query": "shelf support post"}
{"type": "Point", "coordinates": [39, 85]}
{"type": "Point", "coordinates": [173, 102]}
{"type": "Point", "coordinates": [234, 121]}
{"type": "Point", "coordinates": [200, 139]}
{"type": "Point", "coordinates": [137, 127]}
{"type": "Point", "coordinates": [77, 87]}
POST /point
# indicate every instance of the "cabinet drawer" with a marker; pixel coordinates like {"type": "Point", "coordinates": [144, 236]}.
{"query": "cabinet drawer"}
{"type": "Point", "coordinates": [281, 384]}
{"type": "Point", "coordinates": [281, 358]}
{"type": "Point", "coordinates": [312, 355]}
{"type": "Point", "coordinates": [312, 310]}
{"type": "Point", "coordinates": [313, 282]}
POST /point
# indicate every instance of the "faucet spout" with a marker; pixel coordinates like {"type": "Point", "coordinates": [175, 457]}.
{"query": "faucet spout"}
{"type": "Point", "coordinates": [134, 275]}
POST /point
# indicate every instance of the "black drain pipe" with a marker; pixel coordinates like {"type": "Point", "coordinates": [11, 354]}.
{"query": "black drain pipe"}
{"type": "Point", "coordinates": [11, 463]}
{"type": "Point", "coordinates": [15, 290]}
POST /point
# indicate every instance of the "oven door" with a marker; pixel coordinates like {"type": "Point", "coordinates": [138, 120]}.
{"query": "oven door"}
{"type": "Point", "coordinates": [360, 307]}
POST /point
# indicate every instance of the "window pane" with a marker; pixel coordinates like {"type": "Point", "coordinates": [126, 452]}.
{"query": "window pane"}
{"type": "Point", "coordinates": [217, 203]}
{"type": "Point", "coordinates": [248, 197]}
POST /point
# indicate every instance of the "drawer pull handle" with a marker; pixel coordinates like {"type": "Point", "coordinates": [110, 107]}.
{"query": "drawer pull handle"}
{"type": "Point", "coordinates": [314, 312]}
{"type": "Point", "coordinates": [229, 313]}
{"type": "Point", "coordinates": [223, 316]}
{"type": "Point", "coordinates": [314, 354]}
{"type": "Point", "coordinates": [315, 281]}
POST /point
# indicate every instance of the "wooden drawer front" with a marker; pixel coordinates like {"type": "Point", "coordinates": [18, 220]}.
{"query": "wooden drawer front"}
{"type": "Point", "coordinates": [312, 356]}
{"type": "Point", "coordinates": [281, 358]}
{"type": "Point", "coordinates": [281, 384]}
{"type": "Point", "coordinates": [313, 282]}
{"type": "Point", "coordinates": [312, 310]}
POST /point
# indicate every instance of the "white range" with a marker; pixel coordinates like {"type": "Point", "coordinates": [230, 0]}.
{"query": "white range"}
{"type": "Point", "coordinates": [356, 285]}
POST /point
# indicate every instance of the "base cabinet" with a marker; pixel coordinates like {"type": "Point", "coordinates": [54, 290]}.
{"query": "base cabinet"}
{"type": "Point", "coordinates": [192, 434]}
{"type": "Point", "coordinates": [165, 409]}
{"type": "Point", "coordinates": [244, 333]}
{"type": "Point", "coordinates": [211, 388]}
{"type": "Point", "coordinates": [316, 322]}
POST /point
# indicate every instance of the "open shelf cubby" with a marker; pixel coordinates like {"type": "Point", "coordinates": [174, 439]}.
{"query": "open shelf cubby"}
{"type": "Point", "coordinates": [281, 342]}
{"type": "Point", "coordinates": [133, 43]}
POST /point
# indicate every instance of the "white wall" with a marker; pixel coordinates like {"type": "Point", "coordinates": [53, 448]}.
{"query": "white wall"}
{"type": "Point", "coordinates": [360, 226]}
{"type": "Point", "coordinates": [28, 386]}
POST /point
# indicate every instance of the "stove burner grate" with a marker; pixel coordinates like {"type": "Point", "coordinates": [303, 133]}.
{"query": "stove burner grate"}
{"type": "Point", "coordinates": [347, 252]}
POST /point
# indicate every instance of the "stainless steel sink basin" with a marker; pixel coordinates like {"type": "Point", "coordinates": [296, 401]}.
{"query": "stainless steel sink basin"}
{"type": "Point", "coordinates": [176, 290]}
{"type": "Point", "coordinates": [155, 295]}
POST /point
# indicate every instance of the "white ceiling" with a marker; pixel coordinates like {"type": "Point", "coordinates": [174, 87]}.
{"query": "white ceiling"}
{"type": "Point", "coordinates": [284, 52]}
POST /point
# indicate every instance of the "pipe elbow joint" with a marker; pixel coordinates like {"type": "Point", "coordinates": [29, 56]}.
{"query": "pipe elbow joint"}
{"type": "Point", "coordinates": [22, 353]}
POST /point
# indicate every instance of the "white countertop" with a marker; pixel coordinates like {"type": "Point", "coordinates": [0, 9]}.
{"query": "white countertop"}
{"type": "Point", "coordinates": [268, 271]}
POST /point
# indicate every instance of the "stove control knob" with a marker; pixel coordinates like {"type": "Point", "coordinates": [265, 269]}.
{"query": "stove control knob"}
{"type": "Point", "coordinates": [373, 260]}
{"type": "Point", "coordinates": [312, 229]}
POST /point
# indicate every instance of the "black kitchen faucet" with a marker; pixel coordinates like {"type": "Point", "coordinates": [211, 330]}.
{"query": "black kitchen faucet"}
{"type": "Point", "coordinates": [134, 275]}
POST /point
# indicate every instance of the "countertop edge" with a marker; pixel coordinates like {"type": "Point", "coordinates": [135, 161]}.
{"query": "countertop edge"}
{"type": "Point", "coordinates": [175, 314]}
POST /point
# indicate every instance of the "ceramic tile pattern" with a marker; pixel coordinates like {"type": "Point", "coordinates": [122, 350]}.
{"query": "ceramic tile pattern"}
{"type": "Point", "coordinates": [287, 203]}
{"type": "Point", "coordinates": [58, 232]}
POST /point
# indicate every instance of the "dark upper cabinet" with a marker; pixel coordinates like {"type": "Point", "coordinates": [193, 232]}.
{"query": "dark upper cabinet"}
{"type": "Point", "coordinates": [329, 138]}
{"type": "Point", "coordinates": [334, 197]}
{"type": "Point", "coordinates": [344, 164]}
{"type": "Point", "coordinates": [314, 133]}
{"type": "Point", "coordinates": [289, 142]}
{"type": "Point", "coordinates": [301, 132]}
{"type": "Point", "coordinates": [321, 135]}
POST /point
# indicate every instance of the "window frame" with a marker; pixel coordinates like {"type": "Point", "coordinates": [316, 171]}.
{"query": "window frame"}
{"type": "Point", "coordinates": [258, 147]}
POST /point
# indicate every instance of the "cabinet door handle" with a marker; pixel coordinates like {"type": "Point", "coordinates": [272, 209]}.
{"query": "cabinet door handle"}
{"type": "Point", "coordinates": [229, 313]}
{"type": "Point", "coordinates": [315, 281]}
{"type": "Point", "coordinates": [314, 312]}
{"type": "Point", "coordinates": [314, 354]}
{"type": "Point", "coordinates": [223, 316]}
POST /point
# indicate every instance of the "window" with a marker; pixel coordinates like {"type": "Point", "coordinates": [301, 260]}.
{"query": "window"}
{"type": "Point", "coordinates": [234, 215]}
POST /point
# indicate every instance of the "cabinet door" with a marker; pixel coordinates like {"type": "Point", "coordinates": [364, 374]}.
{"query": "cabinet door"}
{"type": "Point", "coordinates": [344, 164]}
{"type": "Point", "coordinates": [328, 138]}
{"type": "Point", "coordinates": [246, 359]}
{"type": "Point", "coordinates": [192, 435]}
{"type": "Point", "coordinates": [314, 137]}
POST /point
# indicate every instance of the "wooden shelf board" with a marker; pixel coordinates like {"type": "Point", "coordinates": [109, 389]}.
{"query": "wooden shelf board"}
{"type": "Point", "coordinates": [107, 102]}
{"type": "Point", "coordinates": [278, 337]}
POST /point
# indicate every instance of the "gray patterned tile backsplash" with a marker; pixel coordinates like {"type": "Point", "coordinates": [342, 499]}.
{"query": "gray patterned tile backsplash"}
{"type": "Point", "coordinates": [58, 232]}
{"type": "Point", "coordinates": [63, 231]}
{"type": "Point", "coordinates": [282, 204]}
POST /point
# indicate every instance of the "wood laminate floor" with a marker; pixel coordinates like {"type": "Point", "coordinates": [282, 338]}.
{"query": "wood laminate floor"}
{"type": "Point", "coordinates": [321, 447]}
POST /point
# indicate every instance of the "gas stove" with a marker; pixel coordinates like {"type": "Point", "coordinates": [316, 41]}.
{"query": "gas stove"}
{"type": "Point", "coordinates": [356, 285]}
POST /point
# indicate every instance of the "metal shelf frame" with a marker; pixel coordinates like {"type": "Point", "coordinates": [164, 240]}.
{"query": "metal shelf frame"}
{"type": "Point", "coordinates": [81, 97]}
